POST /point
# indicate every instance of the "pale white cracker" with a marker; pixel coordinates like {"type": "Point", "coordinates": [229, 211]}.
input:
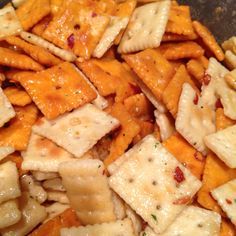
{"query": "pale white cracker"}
{"type": "Point", "coordinates": [9, 213]}
{"type": "Point", "coordinates": [136, 220]}
{"type": "Point", "coordinates": [194, 121]}
{"type": "Point", "coordinates": [225, 195]}
{"type": "Point", "coordinates": [119, 206]}
{"type": "Point", "coordinates": [154, 184]}
{"type": "Point", "coordinates": [17, 3]}
{"type": "Point", "coordinates": [192, 221]}
{"type": "Point", "coordinates": [114, 28]}
{"type": "Point", "coordinates": [5, 151]}
{"type": "Point", "coordinates": [120, 227]}
{"type": "Point", "coordinates": [54, 184]}
{"type": "Point", "coordinates": [37, 40]}
{"type": "Point", "coordinates": [40, 176]}
{"type": "Point", "coordinates": [88, 191]}
{"type": "Point", "coordinates": [32, 214]}
{"type": "Point", "coordinates": [6, 110]}
{"type": "Point", "coordinates": [57, 196]}
{"type": "Point", "coordinates": [223, 143]}
{"type": "Point", "coordinates": [146, 27]}
{"type": "Point", "coordinates": [43, 155]}
{"type": "Point", "coordinates": [230, 79]}
{"type": "Point", "coordinates": [9, 23]}
{"type": "Point", "coordinates": [79, 130]}
{"type": "Point", "coordinates": [230, 60]}
{"type": "Point", "coordinates": [230, 44]}
{"type": "Point", "coordinates": [9, 182]}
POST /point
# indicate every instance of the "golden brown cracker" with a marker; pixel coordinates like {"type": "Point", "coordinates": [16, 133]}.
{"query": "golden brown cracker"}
{"type": "Point", "coordinates": [227, 228]}
{"type": "Point", "coordinates": [58, 89]}
{"type": "Point", "coordinates": [39, 28]}
{"type": "Point", "coordinates": [32, 11]}
{"type": "Point", "coordinates": [209, 40]}
{"type": "Point", "coordinates": [16, 60]}
{"type": "Point", "coordinates": [18, 130]}
{"type": "Point", "coordinates": [39, 54]}
{"type": "Point", "coordinates": [196, 69]}
{"type": "Point", "coordinates": [222, 121]}
{"type": "Point", "coordinates": [152, 68]}
{"type": "Point", "coordinates": [168, 37]}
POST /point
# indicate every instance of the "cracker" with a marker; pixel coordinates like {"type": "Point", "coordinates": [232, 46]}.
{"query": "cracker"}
{"type": "Point", "coordinates": [55, 6]}
{"type": "Point", "coordinates": [196, 69]}
{"type": "Point", "coordinates": [227, 228]}
{"type": "Point", "coordinates": [9, 213]}
{"type": "Point", "coordinates": [121, 227]}
{"type": "Point", "coordinates": [194, 121]}
{"type": "Point", "coordinates": [119, 206]}
{"type": "Point", "coordinates": [39, 28]}
{"type": "Point", "coordinates": [230, 60]}
{"type": "Point", "coordinates": [57, 196]}
{"type": "Point", "coordinates": [146, 27]}
{"type": "Point", "coordinates": [14, 59]}
{"type": "Point", "coordinates": [230, 44]}
{"type": "Point", "coordinates": [18, 132]}
{"type": "Point", "coordinates": [209, 40]}
{"type": "Point", "coordinates": [17, 3]}
{"type": "Point", "coordinates": [223, 143]}
{"type": "Point", "coordinates": [173, 90]}
{"type": "Point", "coordinates": [175, 51]}
{"type": "Point", "coordinates": [55, 209]}
{"type": "Point", "coordinates": [179, 21]}
{"type": "Point", "coordinates": [39, 54]}
{"type": "Point", "coordinates": [86, 126]}
{"type": "Point", "coordinates": [40, 176]}
{"type": "Point", "coordinates": [10, 25]}
{"type": "Point", "coordinates": [6, 110]}
{"type": "Point", "coordinates": [32, 11]}
{"type": "Point", "coordinates": [215, 174]}
{"type": "Point", "coordinates": [222, 121]}
{"type": "Point", "coordinates": [225, 196]}
{"type": "Point", "coordinates": [153, 69]}
{"type": "Point", "coordinates": [54, 184]}
{"type": "Point", "coordinates": [116, 25]}
{"type": "Point", "coordinates": [139, 181]}
{"type": "Point", "coordinates": [38, 41]}
{"type": "Point", "coordinates": [5, 151]}
{"type": "Point", "coordinates": [43, 155]}
{"type": "Point", "coordinates": [137, 221]}
{"type": "Point", "coordinates": [86, 178]}
{"type": "Point", "coordinates": [85, 26]}
{"type": "Point", "coordinates": [230, 78]}
{"type": "Point", "coordinates": [10, 187]}
{"type": "Point", "coordinates": [17, 96]}
{"type": "Point", "coordinates": [169, 37]}
{"type": "Point", "coordinates": [64, 89]}
{"type": "Point", "coordinates": [32, 214]}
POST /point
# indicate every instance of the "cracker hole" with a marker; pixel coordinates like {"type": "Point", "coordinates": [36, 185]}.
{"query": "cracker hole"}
{"type": "Point", "coordinates": [58, 87]}
{"type": "Point", "coordinates": [131, 180]}
{"type": "Point", "coordinates": [150, 159]}
{"type": "Point", "coordinates": [154, 182]}
{"type": "Point", "coordinates": [77, 27]}
{"type": "Point", "coordinates": [158, 207]}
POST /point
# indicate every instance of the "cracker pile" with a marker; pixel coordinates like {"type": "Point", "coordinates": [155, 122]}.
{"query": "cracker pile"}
{"type": "Point", "coordinates": [116, 118]}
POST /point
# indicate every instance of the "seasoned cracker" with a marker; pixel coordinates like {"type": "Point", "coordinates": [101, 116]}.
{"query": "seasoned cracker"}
{"type": "Point", "coordinates": [40, 176]}
{"type": "Point", "coordinates": [194, 120]}
{"type": "Point", "coordinates": [32, 11]}
{"type": "Point", "coordinates": [14, 59]}
{"type": "Point", "coordinates": [54, 184]}
{"type": "Point", "coordinates": [38, 41]}
{"type": "Point", "coordinates": [146, 27]}
{"type": "Point", "coordinates": [5, 151]}
{"type": "Point", "coordinates": [6, 110]}
{"type": "Point", "coordinates": [58, 196]}
{"type": "Point", "coordinates": [230, 44]}
{"type": "Point", "coordinates": [64, 89]}
{"type": "Point", "coordinates": [81, 128]}
{"type": "Point", "coordinates": [18, 132]}
{"type": "Point", "coordinates": [227, 228]}
{"type": "Point", "coordinates": [223, 143]}
{"type": "Point", "coordinates": [55, 209]}
{"type": "Point", "coordinates": [39, 28]}
{"type": "Point", "coordinates": [43, 155]}
{"type": "Point", "coordinates": [137, 221]}
{"type": "Point", "coordinates": [222, 121]}
{"type": "Point", "coordinates": [10, 187]}
{"type": "Point", "coordinates": [121, 227]}
{"type": "Point", "coordinates": [147, 182]}
{"type": "Point", "coordinates": [119, 206]}
{"type": "Point", "coordinates": [169, 37]}
{"type": "Point", "coordinates": [17, 3]}
{"type": "Point", "coordinates": [230, 60]}
{"type": "Point", "coordinates": [230, 78]}
{"type": "Point", "coordinates": [196, 69]}
{"type": "Point", "coordinates": [225, 196]}
{"type": "Point", "coordinates": [9, 23]}
{"type": "Point", "coordinates": [86, 178]}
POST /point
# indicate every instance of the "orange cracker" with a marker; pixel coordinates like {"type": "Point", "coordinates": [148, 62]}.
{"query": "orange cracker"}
{"type": "Point", "coordinates": [58, 89]}
{"type": "Point", "coordinates": [196, 69]}
{"type": "Point", "coordinates": [186, 154]}
{"type": "Point", "coordinates": [215, 173]}
{"type": "Point", "coordinates": [129, 129]}
{"type": "Point", "coordinates": [175, 51]}
{"type": "Point", "coordinates": [32, 11]}
{"type": "Point", "coordinates": [84, 28]}
{"type": "Point", "coordinates": [39, 28]}
{"type": "Point", "coordinates": [227, 228]}
{"type": "Point", "coordinates": [17, 96]}
{"type": "Point", "coordinates": [37, 53]}
{"type": "Point", "coordinates": [173, 90]}
{"type": "Point", "coordinates": [152, 68]}
{"type": "Point", "coordinates": [55, 6]}
{"type": "Point", "coordinates": [17, 133]}
{"type": "Point", "coordinates": [16, 60]}
{"type": "Point", "coordinates": [209, 40]}
{"type": "Point", "coordinates": [180, 21]}
{"type": "Point", "coordinates": [167, 37]}
{"type": "Point", "coordinates": [222, 121]}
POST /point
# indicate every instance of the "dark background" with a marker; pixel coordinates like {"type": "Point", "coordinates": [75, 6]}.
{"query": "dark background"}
{"type": "Point", "coordinates": [218, 15]}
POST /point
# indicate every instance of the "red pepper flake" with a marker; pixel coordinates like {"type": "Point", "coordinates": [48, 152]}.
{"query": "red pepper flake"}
{"type": "Point", "coordinates": [198, 156]}
{"type": "Point", "coordinates": [206, 79]}
{"type": "Point", "coordinates": [71, 41]}
{"type": "Point", "coordinates": [228, 201]}
{"type": "Point", "coordinates": [144, 225]}
{"type": "Point", "coordinates": [179, 175]}
{"type": "Point", "coordinates": [182, 200]}
{"type": "Point", "coordinates": [135, 88]}
{"type": "Point", "coordinates": [195, 100]}
{"type": "Point", "coordinates": [218, 104]}
{"type": "Point", "coordinates": [94, 14]}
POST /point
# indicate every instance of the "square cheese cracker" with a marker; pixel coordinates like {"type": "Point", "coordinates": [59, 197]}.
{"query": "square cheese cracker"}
{"type": "Point", "coordinates": [146, 27]}
{"type": "Point", "coordinates": [154, 184]}
{"type": "Point", "coordinates": [225, 195]}
{"type": "Point", "coordinates": [79, 130]}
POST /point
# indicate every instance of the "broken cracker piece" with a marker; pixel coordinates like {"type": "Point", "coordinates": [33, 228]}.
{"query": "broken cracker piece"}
{"type": "Point", "coordinates": [54, 184]}
{"type": "Point", "coordinates": [5, 151]}
{"type": "Point", "coordinates": [230, 44]}
{"type": "Point", "coordinates": [222, 121]}
{"type": "Point", "coordinates": [58, 196]}
{"type": "Point", "coordinates": [230, 78]}
{"type": "Point", "coordinates": [230, 60]}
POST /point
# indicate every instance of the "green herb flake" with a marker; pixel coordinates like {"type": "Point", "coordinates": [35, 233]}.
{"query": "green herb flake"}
{"type": "Point", "coordinates": [154, 217]}
{"type": "Point", "coordinates": [156, 145]}
{"type": "Point", "coordinates": [235, 200]}
{"type": "Point", "coordinates": [144, 234]}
